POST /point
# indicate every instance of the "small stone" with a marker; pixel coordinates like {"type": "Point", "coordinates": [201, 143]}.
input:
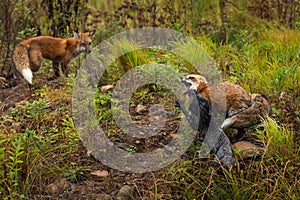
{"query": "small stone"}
{"type": "Point", "coordinates": [126, 193]}
{"type": "Point", "coordinates": [58, 187]}
{"type": "Point", "coordinates": [137, 142]}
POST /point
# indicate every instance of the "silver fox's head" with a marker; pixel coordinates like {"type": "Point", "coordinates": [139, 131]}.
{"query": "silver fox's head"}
{"type": "Point", "coordinates": [84, 41]}
{"type": "Point", "coordinates": [194, 82]}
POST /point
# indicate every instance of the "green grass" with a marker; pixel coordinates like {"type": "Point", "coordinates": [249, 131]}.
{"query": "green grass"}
{"type": "Point", "coordinates": [37, 141]}
{"type": "Point", "coordinates": [274, 176]}
{"type": "Point", "coordinates": [38, 137]}
{"type": "Point", "coordinates": [265, 64]}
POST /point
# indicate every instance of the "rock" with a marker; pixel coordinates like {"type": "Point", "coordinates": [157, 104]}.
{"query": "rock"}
{"type": "Point", "coordinates": [126, 193]}
{"type": "Point", "coordinates": [137, 142]}
{"type": "Point", "coordinates": [246, 149]}
{"type": "Point", "coordinates": [124, 146]}
{"type": "Point", "coordinates": [107, 88]}
{"type": "Point", "coordinates": [140, 109]}
{"type": "Point", "coordinates": [58, 187]}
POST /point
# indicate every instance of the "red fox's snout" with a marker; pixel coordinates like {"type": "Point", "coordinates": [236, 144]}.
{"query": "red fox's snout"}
{"type": "Point", "coordinates": [88, 51]}
{"type": "Point", "coordinates": [84, 41]}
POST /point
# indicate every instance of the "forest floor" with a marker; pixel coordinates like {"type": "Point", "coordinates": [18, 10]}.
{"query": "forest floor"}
{"type": "Point", "coordinates": [108, 182]}
{"type": "Point", "coordinates": [59, 171]}
{"type": "Point", "coordinates": [96, 181]}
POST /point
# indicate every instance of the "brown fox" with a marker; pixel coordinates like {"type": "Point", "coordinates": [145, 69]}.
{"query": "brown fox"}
{"type": "Point", "coordinates": [242, 109]}
{"type": "Point", "coordinates": [29, 54]}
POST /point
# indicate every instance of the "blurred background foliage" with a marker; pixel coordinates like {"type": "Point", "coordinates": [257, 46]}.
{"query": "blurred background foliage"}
{"type": "Point", "coordinates": [221, 19]}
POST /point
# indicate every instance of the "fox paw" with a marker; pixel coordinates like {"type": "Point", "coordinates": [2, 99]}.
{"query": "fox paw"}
{"type": "Point", "coordinates": [227, 123]}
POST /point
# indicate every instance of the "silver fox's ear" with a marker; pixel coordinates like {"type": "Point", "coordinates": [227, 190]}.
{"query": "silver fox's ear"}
{"type": "Point", "coordinates": [76, 36]}
{"type": "Point", "coordinates": [92, 33]}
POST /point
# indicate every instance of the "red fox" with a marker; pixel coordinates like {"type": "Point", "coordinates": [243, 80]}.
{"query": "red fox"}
{"type": "Point", "coordinates": [29, 54]}
{"type": "Point", "coordinates": [242, 109]}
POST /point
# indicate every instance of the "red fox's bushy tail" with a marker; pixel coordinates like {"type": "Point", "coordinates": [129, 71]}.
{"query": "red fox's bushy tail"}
{"type": "Point", "coordinates": [260, 108]}
{"type": "Point", "coordinates": [22, 62]}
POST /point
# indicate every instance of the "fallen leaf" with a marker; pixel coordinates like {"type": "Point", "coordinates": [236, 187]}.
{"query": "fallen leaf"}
{"type": "Point", "coordinates": [100, 173]}
{"type": "Point", "coordinates": [247, 149]}
{"type": "Point", "coordinates": [140, 109]}
{"type": "Point", "coordinates": [106, 88]}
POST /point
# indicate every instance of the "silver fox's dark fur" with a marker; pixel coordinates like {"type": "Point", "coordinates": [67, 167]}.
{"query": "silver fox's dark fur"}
{"type": "Point", "coordinates": [199, 117]}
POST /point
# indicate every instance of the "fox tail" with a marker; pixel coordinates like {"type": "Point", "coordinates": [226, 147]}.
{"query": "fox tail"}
{"type": "Point", "coordinates": [22, 62]}
{"type": "Point", "coordinates": [260, 108]}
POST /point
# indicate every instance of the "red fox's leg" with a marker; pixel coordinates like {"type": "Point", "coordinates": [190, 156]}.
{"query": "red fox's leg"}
{"type": "Point", "coordinates": [64, 69]}
{"type": "Point", "coordinates": [55, 65]}
{"type": "Point", "coordinates": [64, 66]}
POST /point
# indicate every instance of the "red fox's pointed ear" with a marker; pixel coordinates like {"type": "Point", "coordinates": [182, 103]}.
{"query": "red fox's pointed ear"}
{"type": "Point", "coordinates": [76, 36]}
{"type": "Point", "coordinates": [92, 33]}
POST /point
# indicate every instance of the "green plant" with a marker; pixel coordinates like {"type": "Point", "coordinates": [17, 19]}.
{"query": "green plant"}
{"type": "Point", "coordinates": [75, 174]}
{"type": "Point", "coordinates": [14, 166]}
{"type": "Point", "coordinates": [196, 57]}
{"type": "Point", "coordinates": [131, 149]}
{"type": "Point", "coordinates": [130, 54]}
{"type": "Point", "coordinates": [42, 91]}
{"type": "Point", "coordinates": [102, 105]}
{"type": "Point", "coordinates": [277, 139]}
{"type": "Point", "coordinates": [3, 141]}
{"type": "Point", "coordinates": [17, 162]}
{"type": "Point", "coordinates": [194, 179]}
{"type": "Point", "coordinates": [71, 133]}
{"type": "Point", "coordinates": [32, 110]}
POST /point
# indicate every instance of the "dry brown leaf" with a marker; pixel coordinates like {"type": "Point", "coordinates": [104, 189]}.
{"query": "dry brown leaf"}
{"type": "Point", "coordinates": [247, 149]}
{"type": "Point", "coordinates": [140, 109]}
{"type": "Point", "coordinates": [106, 88]}
{"type": "Point", "coordinates": [174, 135]}
{"type": "Point", "coordinates": [100, 173]}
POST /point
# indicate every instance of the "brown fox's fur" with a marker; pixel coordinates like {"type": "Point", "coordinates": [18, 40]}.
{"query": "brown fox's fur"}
{"type": "Point", "coordinates": [260, 107]}
{"type": "Point", "coordinates": [242, 109]}
{"type": "Point", "coordinates": [29, 54]}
